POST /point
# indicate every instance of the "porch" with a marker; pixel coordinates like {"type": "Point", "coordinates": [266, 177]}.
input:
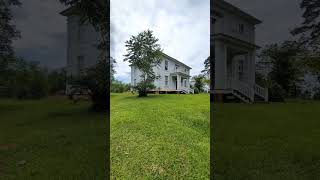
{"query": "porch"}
{"type": "Point", "coordinates": [235, 70]}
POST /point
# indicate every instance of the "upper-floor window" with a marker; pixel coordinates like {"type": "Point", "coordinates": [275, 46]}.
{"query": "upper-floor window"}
{"type": "Point", "coordinates": [79, 31]}
{"type": "Point", "coordinates": [241, 66]}
{"type": "Point", "coordinates": [185, 70]}
{"type": "Point", "coordinates": [80, 64]}
{"type": "Point", "coordinates": [176, 67]}
{"type": "Point", "coordinates": [166, 64]}
{"type": "Point", "coordinates": [241, 28]}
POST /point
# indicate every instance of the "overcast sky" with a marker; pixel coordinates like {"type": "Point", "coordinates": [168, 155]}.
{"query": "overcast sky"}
{"type": "Point", "coordinates": [278, 18]}
{"type": "Point", "coordinates": [43, 32]}
{"type": "Point", "coordinates": [182, 27]}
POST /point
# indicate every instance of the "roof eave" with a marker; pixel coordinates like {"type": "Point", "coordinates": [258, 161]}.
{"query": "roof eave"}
{"type": "Point", "coordinates": [225, 5]}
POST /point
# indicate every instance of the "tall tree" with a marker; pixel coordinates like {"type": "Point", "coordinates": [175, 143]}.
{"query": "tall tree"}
{"type": "Point", "coordinates": [113, 62]}
{"type": "Point", "coordinates": [310, 27]}
{"type": "Point", "coordinates": [8, 33]}
{"type": "Point", "coordinates": [144, 53]}
{"type": "Point", "coordinates": [206, 70]}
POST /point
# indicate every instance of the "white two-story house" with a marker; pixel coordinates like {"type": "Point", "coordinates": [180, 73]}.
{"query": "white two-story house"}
{"type": "Point", "coordinates": [174, 76]}
{"type": "Point", "coordinates": [82, 41]}
{"type": "Point", "coordinates": [233, 43]}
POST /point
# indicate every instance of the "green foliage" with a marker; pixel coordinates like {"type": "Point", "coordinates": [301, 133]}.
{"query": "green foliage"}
{"type": "Point", "coordinates": [97, 79]}
{"type": "Point", "coordinates": [119, 87]}
{"type": "Point", "coordinates": [8, 31]}
{"type": "Point", "coordinates": [206, 70]}
{"type": "Point", "coordinates": [113, 62]}
{"type": "Point", "coordinates": [316, 95]}
{"type": "Point", "coordinates": [309, 30]}
{"type": "Point", "coordinates": [144, 53]}
{"type": "Point", "coordinates": [57, 81]}
{"type": "Point", "coordinates": [196, 90]}
{"type": "Point", "coordinates": [261, 80]}
{"type": "Point", "coordinates": [199, 82]}
{"type": "Point", "coordinates": [25, 80]}
{"type": "Point", "coordinates": [276, 93]}
{"type": "Point", "coordinates": [286, 68]}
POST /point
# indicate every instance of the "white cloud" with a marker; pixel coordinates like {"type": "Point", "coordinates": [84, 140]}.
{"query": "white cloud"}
{"type": "Point", "coordinates": [182, 27]}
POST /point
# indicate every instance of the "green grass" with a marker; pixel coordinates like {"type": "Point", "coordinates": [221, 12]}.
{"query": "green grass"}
{"type": "Point", "coordinates": [55, 138]}
{"type": "Point", "coordinates": [267, 141]}
{"type": "Point", "coordinates": [160, 137]}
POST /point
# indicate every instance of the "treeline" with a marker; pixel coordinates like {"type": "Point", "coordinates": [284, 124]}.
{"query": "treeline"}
{"type": "Point", "coordinates": [28, 80]}
{"type": "Point", "coordinates": [119, 87]}
{"type": "Point", "coordinates": [285, 68]}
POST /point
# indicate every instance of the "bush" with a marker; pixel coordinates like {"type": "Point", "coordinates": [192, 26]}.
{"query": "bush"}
{"type": "Point", "coordinates": [276, 93]}
{"type": "Point", "coordinates": [119, 87]}
{"type": "Point", "coordinates": [196, 90]}
{"type": "Point", "coordinates": [316, 96]}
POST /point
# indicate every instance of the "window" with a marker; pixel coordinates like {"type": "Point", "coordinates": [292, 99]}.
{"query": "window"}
{"type": "Point", "coordinates": [176, 67]}
{"type": "Point", "coordinates": [185, 83]}
{"type": "Point", "coordinates": [240, 66]}
{"type": "Point", "coordinates": [241, 28]}
{"type": "Point", "coordinates": [185, 70]}
{"type": "Point", "coordinates": [166, 64]}
{"type": "Point", "coordinates": [166, 80]}
{"type": "Point", "coordinates": [79, 31]}
{"type": "Point", "coordinates": [135, 82]}
{"type": "Point", "coordinates": [80, 64]}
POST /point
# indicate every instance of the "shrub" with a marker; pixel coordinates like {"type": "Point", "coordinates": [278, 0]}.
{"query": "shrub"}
{"type": "Point", "coordinates": [119, 87]}
{"type": "Point", "coordinates": [196, 90]}
{"type": "Point", "coordinates": [316, 96]}
{"type": "Point", "coordinates": [276, 93]}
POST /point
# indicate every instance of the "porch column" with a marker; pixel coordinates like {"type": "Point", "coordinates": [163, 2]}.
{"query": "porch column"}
{"type": "Point", "coordinates": [220, 66]}
{"type": "Point", "coordinates": [252, 67]}
{"type": "Point", "coordinates": [178, 82]}
{"type": "Point", "coordinates": [188, 83]}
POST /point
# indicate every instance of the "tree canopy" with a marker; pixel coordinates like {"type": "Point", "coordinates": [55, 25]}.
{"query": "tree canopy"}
{"type": "Point", "coordinates": [144, 53]}
{"type": "Point", "coordinates": [309, 30]}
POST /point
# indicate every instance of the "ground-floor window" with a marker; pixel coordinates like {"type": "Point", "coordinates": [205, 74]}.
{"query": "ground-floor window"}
{"type": "Point", "coordinates": [166, 80]}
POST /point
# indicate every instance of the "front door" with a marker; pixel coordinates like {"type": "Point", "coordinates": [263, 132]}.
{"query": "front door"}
{"type": "Point", "coordinates": [175, 82]}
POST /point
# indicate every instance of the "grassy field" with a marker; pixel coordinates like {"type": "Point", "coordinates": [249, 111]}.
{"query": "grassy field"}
{"type": "Point", "coordinates": [267, 141]}
{"type": "Point", "coordinates": [51, 138]}
{"type": "Point", "coordinates": [160, 137]}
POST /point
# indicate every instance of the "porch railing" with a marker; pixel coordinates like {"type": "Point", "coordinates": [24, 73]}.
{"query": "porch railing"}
{"type": "Point", "coordinates": [249, 91]}
{"type": "Point", "coordinates": [261, 91]}
{"type": "Point", "coordinates": [243, 88]}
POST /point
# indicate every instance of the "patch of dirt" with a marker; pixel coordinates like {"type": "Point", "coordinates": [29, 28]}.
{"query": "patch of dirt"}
{"type": "Point", "coordinates": [6, 147]}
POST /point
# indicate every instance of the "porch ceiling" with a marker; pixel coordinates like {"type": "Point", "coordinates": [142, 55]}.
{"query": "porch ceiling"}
{"type": "Point", "coordinates": [180, 74]}
{"type": "Point", "coordinates": [235, 41]}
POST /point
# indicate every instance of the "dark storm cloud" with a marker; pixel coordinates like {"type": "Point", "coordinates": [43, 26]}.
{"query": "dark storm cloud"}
{"type": "Point", "coordinates": [43, 32]}
{"type": "Point", "coordinates": [278, 16]}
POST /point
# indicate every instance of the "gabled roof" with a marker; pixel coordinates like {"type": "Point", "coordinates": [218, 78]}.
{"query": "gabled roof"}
{"type": "Point", "coordinates": [178, 62]}
{"type": "Point", "coordinates": [235, 10]}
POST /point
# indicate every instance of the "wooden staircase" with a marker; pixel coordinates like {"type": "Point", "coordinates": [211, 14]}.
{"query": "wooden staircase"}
{"type": "Point", "coordinates": [247, 93]}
